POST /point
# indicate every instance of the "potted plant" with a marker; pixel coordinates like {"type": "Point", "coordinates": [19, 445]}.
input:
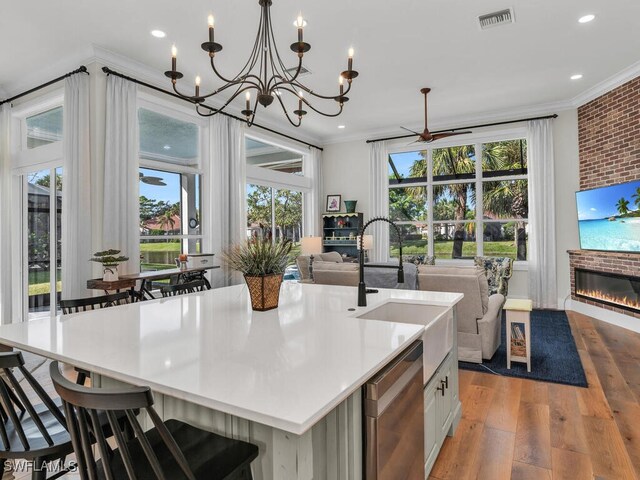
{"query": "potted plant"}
{"type": "Point", "coordinates": [262, 263]}
{"type": "Point", "coordinates": [110, 261]}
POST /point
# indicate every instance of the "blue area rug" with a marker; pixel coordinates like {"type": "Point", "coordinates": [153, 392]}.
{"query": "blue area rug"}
{"type": "Point", "coordinates": [554, 356]}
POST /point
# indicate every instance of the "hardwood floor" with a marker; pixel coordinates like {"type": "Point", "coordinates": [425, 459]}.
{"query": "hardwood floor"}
{"type": "Point", "coordinates": [522, 429]}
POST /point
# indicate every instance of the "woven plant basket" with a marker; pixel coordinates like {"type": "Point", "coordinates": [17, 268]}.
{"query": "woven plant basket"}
{"type": "Point", "coordinates": [264, 291]}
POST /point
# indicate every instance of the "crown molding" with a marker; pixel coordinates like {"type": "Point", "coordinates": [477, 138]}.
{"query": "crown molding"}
{"type": "Point", "coordinates": [607, 85]}
{"type": "Point", "coordinates": [460, 121]}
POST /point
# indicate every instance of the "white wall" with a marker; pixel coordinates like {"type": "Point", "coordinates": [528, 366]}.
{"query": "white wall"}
{"type": "Point", "coordinates": [346, 172]}
{"type": "Point", "coordinates": [565, 139]}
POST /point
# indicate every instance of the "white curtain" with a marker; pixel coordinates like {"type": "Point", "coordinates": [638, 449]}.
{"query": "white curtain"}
{"type": "Point", "coordinates": [228, 183]}
{"type": "Point", "coordinates": [76, 188]}
{"type": "Point", "coordinates": [379, 200]}
{"type": "Point", "coordinates": [314, 201]}
{"type": "Point", "coordinates": [542, 230]}
{"type": "Point", "coordinates": [121, 225]}
{"type": "Point", "coordinates": [5, 215]}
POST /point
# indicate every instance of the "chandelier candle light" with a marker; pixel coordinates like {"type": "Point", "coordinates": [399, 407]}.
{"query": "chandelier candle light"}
{"type": "Point", "coordinates": [265, 73]}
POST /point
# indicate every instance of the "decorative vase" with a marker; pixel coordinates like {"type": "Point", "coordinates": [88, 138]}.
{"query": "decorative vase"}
{"type": "Point", "coordinates": [110, 273]}
{"type": "Point", "coordinates": [350, 205]}
{"type": "Point", "coordinates": [264, 291]}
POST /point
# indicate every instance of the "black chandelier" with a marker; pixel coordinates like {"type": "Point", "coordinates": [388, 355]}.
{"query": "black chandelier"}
{"type": "Point", "coordinates": [265, 73]}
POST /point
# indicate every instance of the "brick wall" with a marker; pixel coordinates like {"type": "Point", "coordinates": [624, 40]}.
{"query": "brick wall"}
{"type": "Point", "coordinates": [608, 262]}
{"type": "Point", "coordinates": [609, 148]}
{"type": "Point", "coordinates": [609, 137]}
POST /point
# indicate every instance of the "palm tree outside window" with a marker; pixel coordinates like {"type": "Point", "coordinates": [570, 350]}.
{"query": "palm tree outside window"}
{"type": "Point", "coordinates": [452, 207]}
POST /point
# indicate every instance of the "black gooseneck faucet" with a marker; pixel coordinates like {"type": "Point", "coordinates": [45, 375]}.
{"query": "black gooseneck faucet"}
{"type": "Point", "coordinates": [362, 288]}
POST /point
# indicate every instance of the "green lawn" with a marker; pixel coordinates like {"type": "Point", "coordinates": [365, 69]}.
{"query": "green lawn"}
{"type": "Point", "coordinates": [172, 246]}
{"type": "Point", "coordinates": [39, 282]}
{"type": "Point", "coordinates": [443, 249]}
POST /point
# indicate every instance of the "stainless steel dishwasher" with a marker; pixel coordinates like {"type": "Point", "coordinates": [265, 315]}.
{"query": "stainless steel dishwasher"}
{"type": "Point", "coordinates": [394, 419]}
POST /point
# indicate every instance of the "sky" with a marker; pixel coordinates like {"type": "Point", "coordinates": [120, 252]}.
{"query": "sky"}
{"type": "Point", "coordinates": [169, 193]}
{"type": "Point", "coordinates": [601, 202]}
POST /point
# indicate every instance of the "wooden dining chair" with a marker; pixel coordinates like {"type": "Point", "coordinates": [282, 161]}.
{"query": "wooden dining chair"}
{"type": "Point", "coordinates": [33, 432]}
{"type": "Point", "coordinates": [93, 303]}
{"type": "Point", "coordinates": [171, 450]}
{"type": "Point", "coordinates": [182, 288]}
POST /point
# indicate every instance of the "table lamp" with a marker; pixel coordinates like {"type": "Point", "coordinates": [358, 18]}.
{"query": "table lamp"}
{"type": "Point", "coordinates": [311, 246]}
{"type": "Point", "coordinates": [367, 240]}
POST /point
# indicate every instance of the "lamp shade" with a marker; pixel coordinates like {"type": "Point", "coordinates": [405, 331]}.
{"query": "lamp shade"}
{"type": "Point", "coordinates": [311, 245]}
{"type": "Point", "coordinates": [368, 242]}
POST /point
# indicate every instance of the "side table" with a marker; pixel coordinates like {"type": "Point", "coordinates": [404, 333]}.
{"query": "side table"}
{"type": "Point", "coordinates": [117, 285]}
{"type": "Point", "coordinates": [519, 345]}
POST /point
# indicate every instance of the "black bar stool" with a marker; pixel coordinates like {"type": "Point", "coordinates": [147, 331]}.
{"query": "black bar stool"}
{"type": "Point", "coordinates": [171, 450]}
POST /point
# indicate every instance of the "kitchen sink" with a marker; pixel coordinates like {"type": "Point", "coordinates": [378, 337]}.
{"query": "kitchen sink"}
{"type": "Point", "coordinates": [437, 338]}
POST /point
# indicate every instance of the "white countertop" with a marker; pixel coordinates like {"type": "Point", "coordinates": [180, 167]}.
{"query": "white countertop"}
{"type": "Point", "coordinates": [286, 368]}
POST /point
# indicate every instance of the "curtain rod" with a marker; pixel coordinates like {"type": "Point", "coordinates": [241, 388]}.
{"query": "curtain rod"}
{"type": "Point", "coordinates": [82, 69]}
{"type": "Point", "coordinates": [108, 71]}
{"type": "Point", "coordinates": [555, 115]}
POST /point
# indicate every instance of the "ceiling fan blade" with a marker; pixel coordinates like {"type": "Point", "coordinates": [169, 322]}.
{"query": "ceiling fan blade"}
{"type": "Point", "coordinates": [438, 136]}
{"type": "Point", "coordinates": [153, 181]}
{"type": "Point", "coordinates": [412, 131]}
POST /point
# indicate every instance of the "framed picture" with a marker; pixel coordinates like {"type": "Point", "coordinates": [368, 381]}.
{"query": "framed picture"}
{"type": "Point", "coordinates": [333, 203]}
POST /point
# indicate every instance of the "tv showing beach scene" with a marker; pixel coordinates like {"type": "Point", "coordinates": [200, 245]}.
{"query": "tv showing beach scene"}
{"type": "Point", "coordinates": [609, 218]}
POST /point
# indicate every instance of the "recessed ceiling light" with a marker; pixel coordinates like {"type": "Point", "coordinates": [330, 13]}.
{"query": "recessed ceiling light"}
{"type": "Point", "coordinates": [342, 126]}
{"type": "Point", "coordinates": [167, 147]}
{"type": "Point", "coordinates": [158, 33]}
{"type": "Point", "coordinates": [586, 18]}
{"type": "Point", "coordinates": [577, 76]}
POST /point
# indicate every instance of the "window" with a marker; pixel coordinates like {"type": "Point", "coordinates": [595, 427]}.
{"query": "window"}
{"type": "Point", "coordinates": [44, 128]}
{"type": "Point", "coordinates": [263, 155]}
{"type": "Point", "coordinates": [274, 213]}
{"type": "Point", "coordinates": [451, 205]}
{"type": "Point", "coordinates": [276, 192]}
{"type": "Point", "coordinates": [170, 189]}
{"type": "Point", "coordinates": [43, 202]}
{"type": "Point", "coordinates": [37, 174]}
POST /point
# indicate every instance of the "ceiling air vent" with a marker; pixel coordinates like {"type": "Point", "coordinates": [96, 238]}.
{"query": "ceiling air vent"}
{"type": "Point", "coordinates": [303, 71]}
{"type": "Point", "coordinates": [496, 19]}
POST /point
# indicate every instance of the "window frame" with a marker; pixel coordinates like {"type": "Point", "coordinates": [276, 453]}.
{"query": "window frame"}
{"type": "Point", "coordinates": [477, 140]}
{"type": "Point", "coordinates": [24, 161]}
{"type": "Point", "coordinates": [201, 168]}
{"type": "Point", "coordinates": [276, 180]}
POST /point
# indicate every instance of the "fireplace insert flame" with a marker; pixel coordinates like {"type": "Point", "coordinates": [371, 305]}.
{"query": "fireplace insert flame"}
{"type": "Point", "coordinates": [613, 289]}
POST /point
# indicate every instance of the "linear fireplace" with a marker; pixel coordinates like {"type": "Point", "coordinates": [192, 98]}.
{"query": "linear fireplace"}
{"type": "Point", "coordinates": [622, 291]}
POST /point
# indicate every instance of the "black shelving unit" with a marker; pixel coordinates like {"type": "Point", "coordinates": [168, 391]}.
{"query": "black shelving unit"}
{"type": "Point", "coordinates": [340, 231]}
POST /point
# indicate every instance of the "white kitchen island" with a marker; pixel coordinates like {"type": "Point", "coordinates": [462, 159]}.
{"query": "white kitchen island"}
{"type": "Point", "coordinates": [287, 380]}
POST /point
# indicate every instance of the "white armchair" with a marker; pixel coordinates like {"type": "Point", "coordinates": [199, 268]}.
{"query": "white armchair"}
{"type": "Point", "coordinates": [479, 315]}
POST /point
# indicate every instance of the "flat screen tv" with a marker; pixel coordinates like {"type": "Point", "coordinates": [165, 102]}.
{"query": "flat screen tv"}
{"type": "Point", "coordinates": [609, 218]}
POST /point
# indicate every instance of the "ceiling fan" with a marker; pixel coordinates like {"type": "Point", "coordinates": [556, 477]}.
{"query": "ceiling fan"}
{"type": "Point", "coordinates": [426, 135]}
{"type": "Point", "coordinates": [157, 181]}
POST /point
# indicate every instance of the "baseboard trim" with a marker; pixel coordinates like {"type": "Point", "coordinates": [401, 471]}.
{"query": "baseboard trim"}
{"type": "Point", "coordinates": [614, 318]}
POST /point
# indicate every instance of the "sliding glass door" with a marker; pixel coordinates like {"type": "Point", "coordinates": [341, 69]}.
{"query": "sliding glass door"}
{"type": "Point", "coordinates": [42, 218]}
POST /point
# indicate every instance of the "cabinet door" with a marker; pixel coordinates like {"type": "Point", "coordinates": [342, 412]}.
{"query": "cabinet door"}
{"type": "Point", "coordinates": [431, 425]}
{"type": "Point", "coordinates": [444, 399]}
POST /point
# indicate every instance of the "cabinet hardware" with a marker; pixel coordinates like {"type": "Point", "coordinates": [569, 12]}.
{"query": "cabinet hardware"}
{"type": "Point", "coordinates": [445, 382]}
{"type": "Point", "coordinates": [441, 388]}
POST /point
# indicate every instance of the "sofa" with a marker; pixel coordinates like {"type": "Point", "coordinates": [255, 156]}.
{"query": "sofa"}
{"type": "Point", "coordinates": [348, 274]}
{"type": "Point", "coordinates": [479, 314]}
